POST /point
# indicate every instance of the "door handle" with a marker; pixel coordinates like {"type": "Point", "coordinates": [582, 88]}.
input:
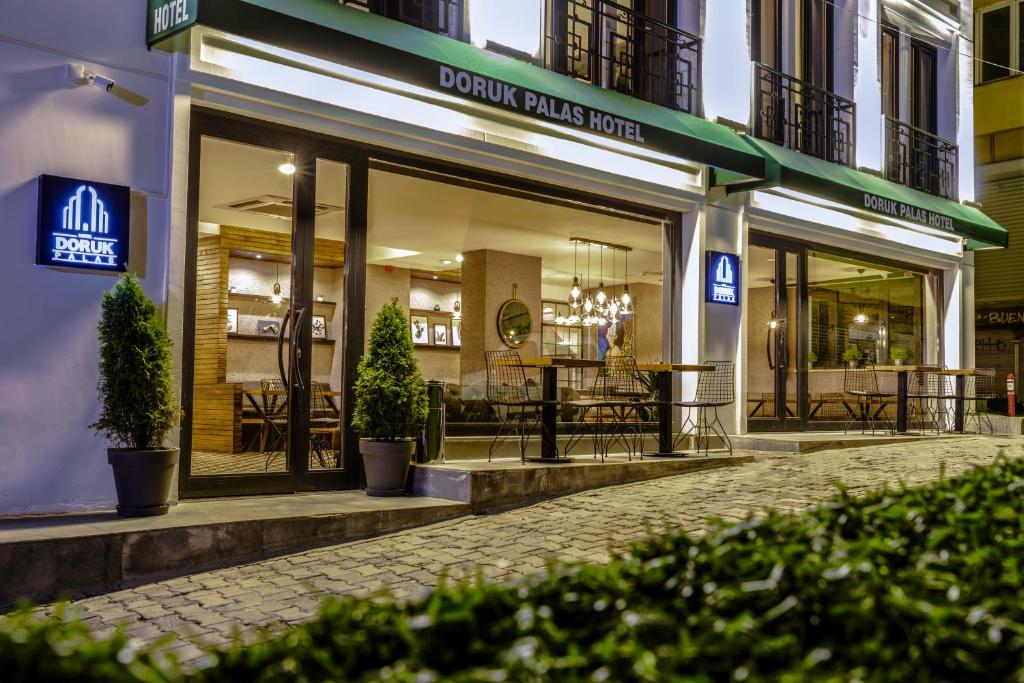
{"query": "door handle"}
{"type": "Point", "coordinates": [296, 351]}
{"type": "Point", "coordinates": [280, 346]}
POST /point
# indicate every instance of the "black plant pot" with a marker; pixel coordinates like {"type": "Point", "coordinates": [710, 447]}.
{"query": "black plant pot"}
{"type": "Point", "coordinates": [387, 466]}
{"type": "Point", "coordinates": [143, 479]}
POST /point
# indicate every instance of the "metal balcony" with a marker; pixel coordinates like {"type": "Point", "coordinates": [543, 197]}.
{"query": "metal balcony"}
{"type": "Point", "coordinates": [801, 116]}
{"type": "Point", "coordinates": [612, 46]}
{"type": "Point", "coordinates": [436, 16]}
{"type": "Point", "coordinates": [921, 160]}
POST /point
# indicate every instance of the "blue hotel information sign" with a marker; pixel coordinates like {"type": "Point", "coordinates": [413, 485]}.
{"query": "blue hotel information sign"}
{"type": "Point", "coordinates": [722, 272]}
{"type": "Point", "coordinates": [82, 224]}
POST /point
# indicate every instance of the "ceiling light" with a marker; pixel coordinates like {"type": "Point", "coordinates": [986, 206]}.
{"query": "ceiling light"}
{"type": "Point", "coordinates": [288, 168]}
{"type": "Point", "coordinates": [446, 262]}
{"type": "Point", "coordinates": [259, 256]}
{"type": "Point", "coordinates": [435, 277]}
{"type": "Point", "coordinates": [458, 258]}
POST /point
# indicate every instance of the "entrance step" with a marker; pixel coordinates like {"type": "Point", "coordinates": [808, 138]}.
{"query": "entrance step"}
{"type": "Point", "coordinates": [808, 442]}
{"type": "Point", "coordinates": [42, 558]}
{"type": "Point", "coordinates": [505, 483]}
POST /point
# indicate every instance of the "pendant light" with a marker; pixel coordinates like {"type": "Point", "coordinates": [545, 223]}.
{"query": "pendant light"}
{"type": "Point", "coordinates": [575, 291]}
{"type": "Point", "coordinates": [601, 299]}
{"type": "Point", "coordinates": [627, 300]}
{"type": "Point", "coordinates": [588, 303]}
{"type": "Point", "coordinates": [276, 298]}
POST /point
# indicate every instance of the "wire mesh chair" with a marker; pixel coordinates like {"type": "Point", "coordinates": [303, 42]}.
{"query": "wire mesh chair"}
{"type": "Point", "coordinates": [512, 398]}
{"type": "Point", "coordinates": [715, 389]}
{"type": "Point", "coordinates": [324, 426]}
{"type": "Point", "coordinates": [979, 389]}
{"type": "Point", "coordinates": [619, 404]}
{"type": "Point", "coordinates": [927, 391]}
{"type": "Point", "coordinates": [274, 397]}
{"type": "Point", "coordinates": [862, 384]}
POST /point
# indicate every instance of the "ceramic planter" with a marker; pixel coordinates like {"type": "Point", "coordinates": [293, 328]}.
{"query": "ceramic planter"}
{"type": "Point", "coordinates": [143, 479]}
{"type": "Point", "coordinates": [386, 464]}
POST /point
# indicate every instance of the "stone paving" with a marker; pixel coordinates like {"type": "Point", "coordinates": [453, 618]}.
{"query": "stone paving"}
{"type": "Point", "coordinates": [210, 606]}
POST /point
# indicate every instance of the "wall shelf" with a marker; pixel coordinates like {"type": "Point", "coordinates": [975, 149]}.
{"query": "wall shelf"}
{"type": "Point", "coordinates": [436, 347]}
{"type": "Point", "coordinates": [262, 298]}
{"type": "Point", "coordinates": [260, 338]}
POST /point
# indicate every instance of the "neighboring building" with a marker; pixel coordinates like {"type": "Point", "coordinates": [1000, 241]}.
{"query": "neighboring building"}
{"type": "Point", "coordinates": [999, 127]}
{"type": "Point", "coordinates": [773, 182]}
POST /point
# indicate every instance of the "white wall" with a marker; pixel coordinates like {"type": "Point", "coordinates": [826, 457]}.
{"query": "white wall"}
{"type": "Point", "coordinates": [49, 459]}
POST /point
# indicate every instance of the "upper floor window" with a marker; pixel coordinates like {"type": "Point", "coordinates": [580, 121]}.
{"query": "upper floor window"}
{"type": "Point", "coordinates": [806, 53]}
{"type": "Point", "coordinates": [1000, 40]}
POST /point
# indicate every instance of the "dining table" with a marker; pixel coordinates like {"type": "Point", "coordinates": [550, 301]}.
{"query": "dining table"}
{"type": "Point", "coordinates": [960, 376]}
{"type": "Point", "coordinates": [549, 367]}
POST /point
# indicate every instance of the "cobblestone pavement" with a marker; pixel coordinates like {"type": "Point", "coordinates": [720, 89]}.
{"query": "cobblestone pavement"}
{"type": "Point", "coordinates": [211, 605]}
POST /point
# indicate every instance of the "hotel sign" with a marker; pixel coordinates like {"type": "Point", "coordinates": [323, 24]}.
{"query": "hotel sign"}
{"type": "Point", "coordinates": [537, 105]}
{"type": "Point", "coordinates": [722, 274]}
{"type": "Point", "coordinates": [82, 224]}
{"type": "Point", "coordinates": [164, 18]}
{"type": "Point", "coordinates": [897, 209]}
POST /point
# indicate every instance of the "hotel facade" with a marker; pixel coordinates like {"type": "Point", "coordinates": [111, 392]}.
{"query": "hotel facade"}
{"type": "Point", "coordinates": [763, 183]}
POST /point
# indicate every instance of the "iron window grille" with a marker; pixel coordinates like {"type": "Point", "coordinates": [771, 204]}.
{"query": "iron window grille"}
{"type": "Point", "coordinates": [921, 160]}
{"type": "Point", "coordinates": [800, 116]}
{"type": "Point", "coordinates": [436, 16]}
{"type": "Point", "coordinates": [617, 48]}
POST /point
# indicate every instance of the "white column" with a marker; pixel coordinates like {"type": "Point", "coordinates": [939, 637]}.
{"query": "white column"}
{"type": "Point", "coordinates": [723, 329]}
{"type": "Point", "coordinates": [867, 88]}
{"type": "Point", "coordinates": [967, 322]}
{"type": "Point", "coordinates": [965, 117]}
{"type": "Point", "coordinates": [953, 318]}
{"type": "Point", "coordinates": [725, 64]}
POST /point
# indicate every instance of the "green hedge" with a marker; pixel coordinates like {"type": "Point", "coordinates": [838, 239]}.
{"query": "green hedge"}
{"type": "Point", "coordinates": [915, 584]}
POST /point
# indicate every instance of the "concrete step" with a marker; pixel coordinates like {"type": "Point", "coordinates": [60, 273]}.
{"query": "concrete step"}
{"type": "Point", "coordinates": [42, 558]}
{"type": "Point", "coordinates": [809, 442]}
{"type": "Point", "coordinates": [505, 483]}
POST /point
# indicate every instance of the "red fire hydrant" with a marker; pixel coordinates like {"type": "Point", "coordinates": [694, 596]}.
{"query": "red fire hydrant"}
{"type": "Point", "coordinates": [1011, 397]}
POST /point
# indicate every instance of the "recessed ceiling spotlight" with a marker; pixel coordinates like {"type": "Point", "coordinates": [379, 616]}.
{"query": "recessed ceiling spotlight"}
{"type": "Point", "coordinates": [459, 258]}
{"type": "Point", "coordinates": [288, 168]}
{"type": "Point", "coordinates": [259, 256]}
{"type": "Point", "coordinates": [446, 262]}
{"type": "Point", "coordinates": [435, 277]}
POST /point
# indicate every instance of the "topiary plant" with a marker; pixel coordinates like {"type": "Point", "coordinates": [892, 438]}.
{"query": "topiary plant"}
{"type": "Point", "coordinates": [391, 399]}
{"type": "Point", "coordinates": [899, 353]}
{"type": "Point", "coordinates": [136, 389]}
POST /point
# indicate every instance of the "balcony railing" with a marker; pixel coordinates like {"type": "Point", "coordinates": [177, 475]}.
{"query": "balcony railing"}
{"type": "Point", "coordinates": [436, 16]}
{"type": "Point", "coordinates": [617, 48]}
{"type": "Point", "coordinates": [795, 114]}
{"type": "Point", "coordinates": [921, 160]}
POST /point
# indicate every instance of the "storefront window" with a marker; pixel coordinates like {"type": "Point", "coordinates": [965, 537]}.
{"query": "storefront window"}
{"type": "Point", "coordinates": [455, 254]}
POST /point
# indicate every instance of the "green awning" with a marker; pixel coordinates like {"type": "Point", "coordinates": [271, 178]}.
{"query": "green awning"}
{"type": "Point", "coordinates": [791, 169]}
{"type": "Point", "coordinates": [344, 35]}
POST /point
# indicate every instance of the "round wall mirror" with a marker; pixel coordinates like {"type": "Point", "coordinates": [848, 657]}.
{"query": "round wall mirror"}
{"type": "Point", "coordinates": [514, 323]}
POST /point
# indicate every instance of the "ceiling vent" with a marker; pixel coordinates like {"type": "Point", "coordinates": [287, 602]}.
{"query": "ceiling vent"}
{"type": "Point", "coordinates": [274, 206]}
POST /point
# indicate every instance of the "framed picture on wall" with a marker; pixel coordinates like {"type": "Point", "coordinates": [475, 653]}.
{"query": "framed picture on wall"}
{"type": "Point", "coordinates": [319, 327]}
{"type": "Point", "coordinates": [420, 329]}
{"type": "Point", "coordinates": [440, 334]}
{"type": "Point", "coordinates": [456, 333]}
{"type": "Point", "coordinates": [232, 321]}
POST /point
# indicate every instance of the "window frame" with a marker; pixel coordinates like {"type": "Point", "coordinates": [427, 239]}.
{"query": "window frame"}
{"type": "Point", "coordinates": [1016, 8]}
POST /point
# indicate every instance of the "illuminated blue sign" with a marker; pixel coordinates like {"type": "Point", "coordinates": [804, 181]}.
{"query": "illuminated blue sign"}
{"type": "Point", "coordinates": [723, 278]}
{"type": "Point", "coordinates": [82, 224]}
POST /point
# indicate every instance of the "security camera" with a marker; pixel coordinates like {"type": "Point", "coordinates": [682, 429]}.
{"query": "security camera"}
{"type": "Point", "coordinates": [101, 82]}
{"type": "Point", "coordinates": [76, 73]}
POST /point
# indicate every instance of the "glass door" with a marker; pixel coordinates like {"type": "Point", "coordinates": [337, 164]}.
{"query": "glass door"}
{"type": "Point", "coordinates": [776, 377]}
{"type": "Point", "coordinates": [264, 363]}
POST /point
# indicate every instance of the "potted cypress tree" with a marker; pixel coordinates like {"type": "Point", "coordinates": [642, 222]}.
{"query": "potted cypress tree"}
{"type": "Point", "coordinates": [391, 403]}
{"type": "Point", "coordinates": [137, 398]}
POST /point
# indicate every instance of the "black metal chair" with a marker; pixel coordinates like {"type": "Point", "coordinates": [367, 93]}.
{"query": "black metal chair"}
{"type": "Point", "coordinates": [715, 389]}
{"type": "Point", "coordinates": [513, 399]}
{"type": "Point", "coordinates": [862, 384]}
{"type": "Point", "coordinates": [619, 404]}
{"type": "Point", "coordinates": [274, 397]}
{"type": "Point", "coordinates": [324, 428]}
{"type": "Point", "coordinates": [927, 392]}
{"type": "Point", "coordinates": [979, 389]}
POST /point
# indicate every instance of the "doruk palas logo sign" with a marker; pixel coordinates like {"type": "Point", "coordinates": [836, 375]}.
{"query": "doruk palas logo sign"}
{"type": "Point", "coordinates": [722, 271]}
{"type": "Point", "coordinates": [82, 224]}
